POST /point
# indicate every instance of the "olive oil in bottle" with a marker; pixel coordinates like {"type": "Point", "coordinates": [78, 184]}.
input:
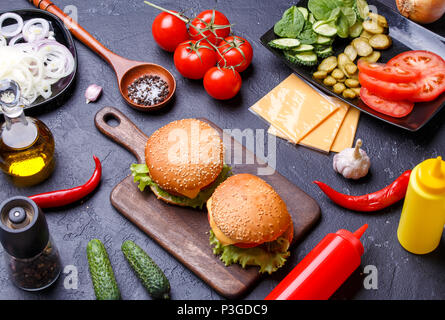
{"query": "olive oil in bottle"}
{"type": "Point", "coordinates": [26, 144]}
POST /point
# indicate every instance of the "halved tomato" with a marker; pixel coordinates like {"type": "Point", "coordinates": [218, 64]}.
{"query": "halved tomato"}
{"type": "Point", "coordinates": [389, 90]}
{"type": "Point", "coordinates": [388, 73]}
{"type": "Point", "coordinates": [431, 86]}
{"type": "Point", "coordinates": [396, 109]}
{"type": "Point", "coordinates": [418, 60]}
{"type": "Point", "coordinates": [432, 68]}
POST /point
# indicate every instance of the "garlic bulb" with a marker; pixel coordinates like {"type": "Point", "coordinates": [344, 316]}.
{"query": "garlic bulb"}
{"type": "Point", "coordinates": [352, 163]}
{"type": "Point", "coordinates": [93, 92]}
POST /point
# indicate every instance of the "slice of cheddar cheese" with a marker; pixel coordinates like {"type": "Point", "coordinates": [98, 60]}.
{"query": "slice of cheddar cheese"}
{"type": "Point", "coordinates": [323, 136]}
{"type": "Point", "coordinates": [316, 139]}
{"type": "Point", "coordinates": [294, 108]}
{"type": "Point", "coordinates": [346, 134]}
{"type": "Point", "coordinates": [218, 233]}
{"type": "Point", "coordinates": [190, 193]}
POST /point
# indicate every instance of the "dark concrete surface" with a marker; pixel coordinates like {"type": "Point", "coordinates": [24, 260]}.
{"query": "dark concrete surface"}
{"type": "Point", "coordinates": [124, 26]}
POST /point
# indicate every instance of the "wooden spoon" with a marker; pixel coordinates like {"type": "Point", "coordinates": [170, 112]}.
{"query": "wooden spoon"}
{"type": "Point", "coordinates": [127, 71]}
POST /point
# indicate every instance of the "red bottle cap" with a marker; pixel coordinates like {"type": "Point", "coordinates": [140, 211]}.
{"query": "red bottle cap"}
{"type": "Point", "coordinates": [354, 238]}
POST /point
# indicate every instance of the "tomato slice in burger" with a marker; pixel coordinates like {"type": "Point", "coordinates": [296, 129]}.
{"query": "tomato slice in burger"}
{"type": "Point", "coordinates": [431, 86]}
{"type": "Point", "coordinates": [418, 60]}
{"type": "Point", "coordinates": [396, 109]}
{"type": "Point", "coordinates": [388, 73]}
{"type": "Point", "coordinates": [389, 90]}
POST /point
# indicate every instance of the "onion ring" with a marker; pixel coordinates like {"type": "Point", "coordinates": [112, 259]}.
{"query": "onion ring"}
{"type": "Point", "coordinates": [14, 40]}
{"type": "Point", "coordinates": [25, 47]}
{"type": "Point", "coordinates": [32, 33]}
{"type": "Point", "coordinates": [58, 60]}
{"type": "Point", "coordinates": [14, 16]}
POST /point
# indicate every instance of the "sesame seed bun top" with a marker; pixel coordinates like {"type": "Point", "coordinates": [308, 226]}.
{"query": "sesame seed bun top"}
{"type": "Point", "coordinates": [184, 156]}
{"type": "Point", "coordinates": [248, 210]}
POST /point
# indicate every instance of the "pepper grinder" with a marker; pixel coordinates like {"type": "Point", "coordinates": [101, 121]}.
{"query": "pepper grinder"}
{"type": "Point", "coordinates": [31, 256]}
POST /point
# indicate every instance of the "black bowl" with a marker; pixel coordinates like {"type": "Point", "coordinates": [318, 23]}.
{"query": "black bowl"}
{"type": "Point", "coordinates": [60, 89]}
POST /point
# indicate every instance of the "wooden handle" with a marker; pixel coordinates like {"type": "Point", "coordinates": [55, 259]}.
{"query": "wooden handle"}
{"type": "Point", "coordinates": [81, 34]}
{"type": "Point", "coordinates": [125, 133]}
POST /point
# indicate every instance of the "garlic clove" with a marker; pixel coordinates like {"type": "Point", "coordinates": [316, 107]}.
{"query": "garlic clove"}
{"type": "Point", "coordinates": [352, 163]}
{"type": "Point", "coordinates": [92, 93]}
{"type": "Point", "coordinates": [357, 150]}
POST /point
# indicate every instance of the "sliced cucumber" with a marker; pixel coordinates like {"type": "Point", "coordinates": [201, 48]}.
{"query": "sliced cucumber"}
{"type": "Point", "coordinates": [327, 52]}
{"type": "Point", "coordinates": [284, 43]}
{"type": "Point", "coordinates": [356, 29]}
{"type": "Point", "coordinates": [320, 47]}
{"type": "Point", "coordinates": [311, 18]}
{"type": "Point", "coordinates": [307, 59]}
{"type": "Point", "coordinates": [304, 12]}
{"type": "Point", "coordinates": [361, 8]}
{"type": "Point", "coordinates": [303, 48]}
{"type": "Point", "coordinates": [325, 28]}
{"type": "Point", "coordinates": [324, 40]}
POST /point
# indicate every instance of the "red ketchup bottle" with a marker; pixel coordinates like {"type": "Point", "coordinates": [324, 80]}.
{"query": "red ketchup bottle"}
{"type": "Point", "coordinates": [324, 269]}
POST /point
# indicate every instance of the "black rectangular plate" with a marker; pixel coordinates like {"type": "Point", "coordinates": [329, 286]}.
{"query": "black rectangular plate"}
{"type": "Point", "coordinates": [406, 35]}
{"type": "Point", "coordinates": [63, 36]}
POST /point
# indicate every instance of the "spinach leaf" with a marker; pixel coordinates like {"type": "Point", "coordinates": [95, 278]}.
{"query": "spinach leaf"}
{"type": "Point", "coordinates": [321, 9]}
{"type": "Point", "coordinates": [348, 3]}
{"type": "Point", "coordinates": [307, 36]}
{"type": "Point", "coordinates": [342, 26]}
{"type": "Point", "coordinates": [350, 15]}
{"type": "Point", "coordinates": [334, 14]}
{"type": "Point", "coordinates": [291, 24]}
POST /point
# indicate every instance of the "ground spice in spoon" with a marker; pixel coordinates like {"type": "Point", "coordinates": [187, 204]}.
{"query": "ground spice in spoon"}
{"type": "Point", "coordinates": [148, 90]}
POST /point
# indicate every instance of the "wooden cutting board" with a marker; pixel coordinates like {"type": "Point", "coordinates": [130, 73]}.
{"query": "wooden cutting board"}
{"type": "Point", "coordinates": [183, 232]}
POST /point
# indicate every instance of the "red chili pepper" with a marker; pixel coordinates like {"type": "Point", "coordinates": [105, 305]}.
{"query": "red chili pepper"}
{"type": "Point", "coordinates": [62, 198]}
{"type": "Point", "coordinates": [373, 201]}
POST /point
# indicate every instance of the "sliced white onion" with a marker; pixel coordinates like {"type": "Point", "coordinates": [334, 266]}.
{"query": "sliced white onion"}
{"type": "Point", "coordinates": [26, 47]}
{"type": "Point", "coordinates": [32, 31]}
{"type": "Point", "coordinates": [36, 66]}
{"type": "Point", "coordinates": [44, 89]}
{"type": "Point", "coordinates": [14, 16]}
{"type": "Point", "coordinates": [51, 35]}
{"type": "Point", "coordinates": [14, 40]}
{"type": "Point", "coordinates": [58, 60]}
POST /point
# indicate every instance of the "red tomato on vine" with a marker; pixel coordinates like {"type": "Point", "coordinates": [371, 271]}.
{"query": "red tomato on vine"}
{"type": "Point", "coordinates": [169, 31]}
{"type": "Point", "coordinates": [211, 25]}
{"type": "Point", "coordinates": [235, 52]}
{"type": "Point", "coordinates": [192, 59]}
{"type": "Point", "coordinates": [222, 83]}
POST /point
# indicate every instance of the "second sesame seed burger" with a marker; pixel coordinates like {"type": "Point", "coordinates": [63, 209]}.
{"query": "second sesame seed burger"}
{"type": "Point", "coordinates": [250, 224]}
{"type": "Point", "coordinates": [184, 163]}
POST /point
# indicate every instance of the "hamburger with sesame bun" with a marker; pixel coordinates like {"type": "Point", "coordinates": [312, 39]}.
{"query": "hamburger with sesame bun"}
{"type": "Point", "coordinates": [184, 163]}
{"type": "Point", "coordinates": [250, 224]}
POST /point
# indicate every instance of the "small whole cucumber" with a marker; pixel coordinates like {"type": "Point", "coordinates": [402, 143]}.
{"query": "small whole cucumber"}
{"type": "Point", "coordinates": [152, 277]}
{"type": "Point", "coordinates": [104, 282]}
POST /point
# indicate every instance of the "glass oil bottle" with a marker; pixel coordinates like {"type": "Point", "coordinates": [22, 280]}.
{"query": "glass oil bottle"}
{"type": "Point", "coordinates": [26, 144]}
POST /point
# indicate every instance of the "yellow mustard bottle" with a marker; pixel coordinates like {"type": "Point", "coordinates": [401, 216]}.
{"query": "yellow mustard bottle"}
{"type": "Point", "coordinates": [423, 214]}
